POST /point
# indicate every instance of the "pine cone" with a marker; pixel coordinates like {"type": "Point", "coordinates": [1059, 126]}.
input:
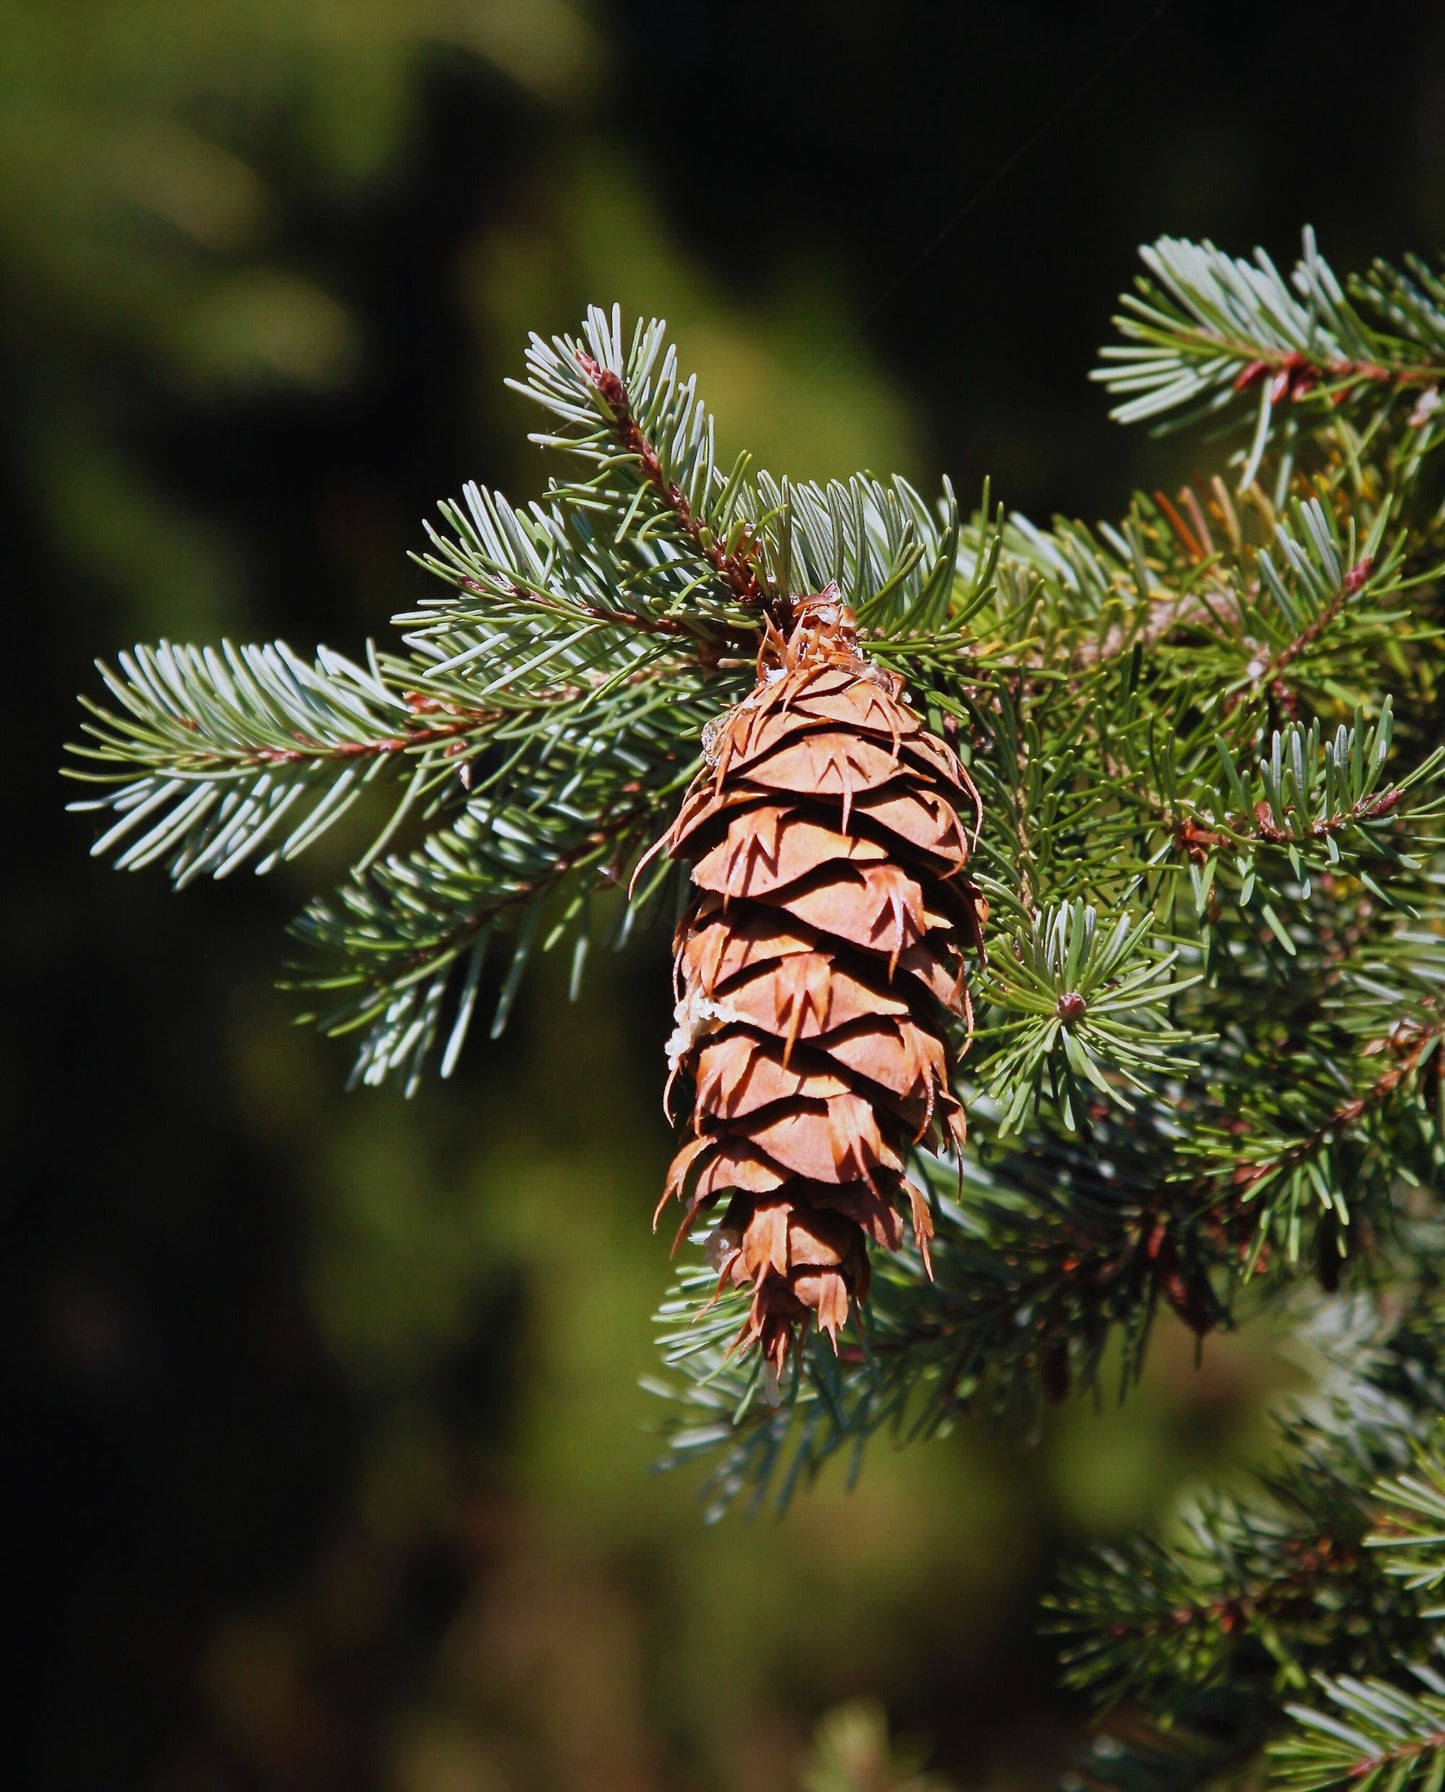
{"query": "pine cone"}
{"type": "Point", "coordinates": [813, 969]}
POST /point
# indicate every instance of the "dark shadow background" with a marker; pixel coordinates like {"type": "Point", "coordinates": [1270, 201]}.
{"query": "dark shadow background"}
{"type": "Point", "coordinates": [324, 1427]}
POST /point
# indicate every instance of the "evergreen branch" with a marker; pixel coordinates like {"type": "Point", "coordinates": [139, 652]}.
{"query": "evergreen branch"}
{"type": "Point", "coordinates": [523, 575]}
{"type": "Point", "coordinates": [1371, 1732]}
{"type": "Point", "coordinates": [1329, 1133]}
{"type": "Point", "coordinates": [1149, 711]}
{"type": "Point", "coordinates": [1410, 1530]}
{"type": "Point", "coordinates": [1055, 1251]}
{"type": "Point", "coordinates": [1411, 1042]}
{"type": "Point", "coordinates": [1214, 1668]}
{"type": "Point", "coordinates": [890, 556]}
{"type": "Point", "coordinates": [1289, 617]}
{"type": "Point", "coordinates": [1239, 601]}
{"type": "Point", "coordinates": [634, 414]}
{"type": "Point", "coordinates": [1154, 1619]}
{"type": "Point", "coordinates": [730, 559]}
{"type": "Point", "coordinates": [1082, 592]}
{"type": "Point", "coordinates": [229, 742]}
{"type": "Point", "coordinates": [431, 914]}
{"type": "Point", "coordinates": [1260, 1593]}
{"type": "Point", "coordinates": [567, 824]}
{"type": "Point", "coordinates": [1209, 325]}
{"type": "Point", "coordinates": [1320, 638]}
{"type": "Point", "coordinates": [1411, 301]}
{"type": "Point", "coordinates": [1303, 793]}
{"type": "Point", "coordinates": [1053, 836]}
{"type": "Point", "coordinates": [1346, 587]}
{"type": "Point", "coordinates": [1164, 616]}
{"type": "Point", "coordinates": [1085, 1005]}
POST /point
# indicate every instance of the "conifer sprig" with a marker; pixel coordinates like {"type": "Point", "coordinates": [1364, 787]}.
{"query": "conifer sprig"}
{"type": "Point", "coordinates": [1366, 1733]}
{"type": "Point", "coordinates": [1410, 1528]}
{"type": "Point", "coordinates": [1047, 1265]}
{"type": "Point", "coordinates": [231, 742]}
{"type": "Point", "coordinates": [1299, 1617]}
{"type": "Point", "coordinates": [632, 413]}
{"type": "Point", "coordinates": [1233, 669]}
{"type": "Point", "coordinates": [1203, 325]}
{"type": "Point", "coordinates": [1206, 1058]}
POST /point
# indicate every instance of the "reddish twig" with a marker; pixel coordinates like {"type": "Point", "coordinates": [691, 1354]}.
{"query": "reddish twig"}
{"type": "Point", "coordinates": [1367, 1766]}
{"type": "Point", "coordinates": [648, 625]}
{"type": "Point", "coordinates": [707, 647]}
{"type": "Point", "coordinates": [609, 829]}
{"type": "Point", "coordinates": [1198, 840]}
{"type": "Point", "coordinates": [1315, 1560]}
{"type": "Point", "coordinates": [737, 569]}
{"type": "Point", "coordinates": [1270, 674]}
{"type": "Point", "coordinates": [459, 722]}
{"type": "Point", "coordinates": [1293, 375]}
{"type": "Point", "coordinates": [1411, 1042]}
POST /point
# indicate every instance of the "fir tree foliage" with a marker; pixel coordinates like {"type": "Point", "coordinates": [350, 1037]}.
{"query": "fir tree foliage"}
{"type": "Point", "coordinates": [1206, 1067]}
{"type": "Point", "coordinates": [1290, 1630]}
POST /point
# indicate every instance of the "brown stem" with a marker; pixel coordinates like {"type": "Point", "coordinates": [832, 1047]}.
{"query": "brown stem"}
{"type": "Point", "coordinates": [1197, 839]}
{"type": "Point", "coordinates": [1279, 663]}
{"type": "Point", "coordinates": [608, 829]}
{"type": "Point", "coordinates": [1370, 808]}
{"type": "Point", "coordinates": [739, 569]}
{"type": "Point", "coordinates": [1294, 375]}
{"type": "Point", "coordinates": [459, 722]}
{"type": "Point", "coordinates": [1367, 1766]}
{"type": "Point", "coordinates": [647, 625]}
{"type": "Point", "coordinates": [1410, 1041]}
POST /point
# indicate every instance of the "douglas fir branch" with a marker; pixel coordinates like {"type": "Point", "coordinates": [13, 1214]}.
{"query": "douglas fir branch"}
{"type": "Point", "coordinates": [1189, 765]}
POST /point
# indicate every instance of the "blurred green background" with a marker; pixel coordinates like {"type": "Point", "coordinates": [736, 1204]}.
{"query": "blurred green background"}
{"type": "Point", "coordinates": [323, 1408]}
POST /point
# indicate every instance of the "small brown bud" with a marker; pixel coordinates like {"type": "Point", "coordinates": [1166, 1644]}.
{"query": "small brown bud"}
{"type": "Point", "coordinates": [1357, 575]}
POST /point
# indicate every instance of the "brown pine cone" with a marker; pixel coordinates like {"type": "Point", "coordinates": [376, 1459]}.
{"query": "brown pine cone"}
{"type": "Point", "coordinates": [827, 937]}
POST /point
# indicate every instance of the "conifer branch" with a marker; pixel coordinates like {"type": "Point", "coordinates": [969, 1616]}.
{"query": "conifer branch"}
{"type": "Point", "coordinates": [1209, 325]}
{"type": "Point", "coordinates": [1078, 1001]}
{"type": "Point", "coordinates": [1349, 586]}
{"type": "Point", "coordinates": [1250, 1603]}
{"type": "Point", "coordinates": [631, 413]}
{"type": "Point", "coordinates": [1410, 1525]}
{"type": "Point", "coordinates": [1205, 1055]}
{"type": "Point", "coordinates": [1303, 792]}
{"type": "Point", "coordinates": [1040, 1266]}
{"type": "Point", "coordinates": [1412, 1041]}
{"type": "Point", "coordinates": [735, 565]}
{"type": "Point", "coordinates": [386, 946]}
{"type": "Point", "coordinates": [206, 751]}
{"type": "Point", "coordinates": [1370, 1730]}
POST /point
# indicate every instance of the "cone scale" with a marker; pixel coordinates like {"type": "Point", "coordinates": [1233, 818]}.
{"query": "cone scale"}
{"type": "Point", "coordinates": [819, 972]}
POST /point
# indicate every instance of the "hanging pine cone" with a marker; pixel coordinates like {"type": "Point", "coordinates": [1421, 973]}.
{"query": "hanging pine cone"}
{"type": "Point", "coordinates": [813, 969]}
